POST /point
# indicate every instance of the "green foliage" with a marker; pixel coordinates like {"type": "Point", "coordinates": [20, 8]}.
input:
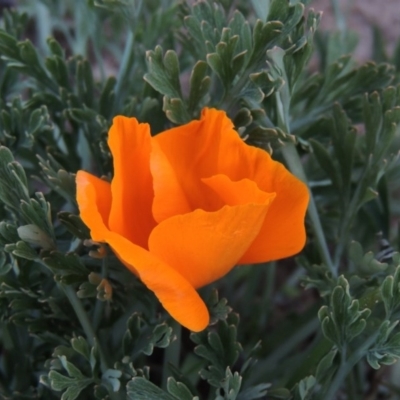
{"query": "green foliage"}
{"type": "Point", "coordinates": [386, 348]}
{"type": "Point", "coordinates": [365, 263]}
{"type": "Point", "coordinates": [142, 389]}
{"type": "Point", "coordinates": [139, 339]}
{"type": "Point", "coordinates": [220, 349]}
{"type": "Point", "coordinates": [304, 389]}
{"type": "Point", "coordinates": [390, 292]}
{"type": "Point", "coordinates": [74, 384]}
{"type": "Point", "coordinates": [343, 320]}
{"type": "Point", "coordinates": [76, 381]}
{"type": "Point", "coordinates": [75, 323]}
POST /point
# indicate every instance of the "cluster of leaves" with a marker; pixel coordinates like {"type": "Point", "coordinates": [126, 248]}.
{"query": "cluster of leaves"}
{"type": "Point", "coordinates": [356, 164]}
{"type": "Point", "coordinates": [75, 323]}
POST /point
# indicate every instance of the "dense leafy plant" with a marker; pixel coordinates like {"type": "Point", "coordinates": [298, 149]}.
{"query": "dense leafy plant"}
{"type": "Point", "coordinates": [75, 323]}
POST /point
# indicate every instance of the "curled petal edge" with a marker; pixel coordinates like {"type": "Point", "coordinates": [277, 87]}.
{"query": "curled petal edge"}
{"type": "Point", "coordinates": [204, 246]}
{"type": "Point", "coordinates": [175, 293]}
{"type": "Point", "coordinates": [94, 200]}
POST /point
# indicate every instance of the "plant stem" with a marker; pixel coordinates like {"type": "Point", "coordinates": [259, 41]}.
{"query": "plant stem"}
{"type": "Point", "coordinates": [295, 165]}
{"type": "Point", "coordinates": [309, 118]}
{"type": "Point", "coordinates": [85, 323]}
{"type": "Point", "coordinates": [348, 216]}
{"type": "Point", "coordinates": [99, 58]}
{"type": "Point", "coordinates": [124, 67]}
{"type": "Point", "coordinates": [347, 366]}
{"type": "Point", "coordinates": [270, 363]}
{"type": "Point", "coordinates": [80, 313]}
{"type": "Point", "coordinates": [43, 27]}
{"type": "Point", "coordinates": [339, 16]}
{"type": "Point", "coordinates": [261, 8]}
{"type": "Point", "coordinates": [127, 57]}
{"type": "Point", "coordinates": [82, 23]}
{"type": "Point", "coordinates": [293, 161]}
{"type": "Point", "coordinates": [270, 281]}
{"type": "Point", "coordinates": [269, 292]}
{"type": "Point", "coordinates": [351, 386]}
{"type": "Point", "coordinates": [172, 353]}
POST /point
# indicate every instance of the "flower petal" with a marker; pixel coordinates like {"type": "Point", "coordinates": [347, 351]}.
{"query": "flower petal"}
{"type": "Point", "coordinates": [211, 146]}
{"type": "Point", "coordinates": [237, 193]}
{"type": "Point", "coordinates": [203, 246]}
{"type": "Point", "coordinates": [177, 296]}
{"type": "Point", "coordinates": [283, 232]}
{"type": "Point", "coordinates": [175, 293]}
{"type": "Point", "coordinates": [94, 200]}
{"type": "Point", "coordinates": [183, 155]}
{"type": "Point", "coordinates": [170, 197]}
{"type": "Point", "coordinates": [132, 185]}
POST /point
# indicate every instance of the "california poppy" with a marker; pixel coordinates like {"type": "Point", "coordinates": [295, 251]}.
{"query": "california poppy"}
{"type": "Point", "coordinates": [187, 205]}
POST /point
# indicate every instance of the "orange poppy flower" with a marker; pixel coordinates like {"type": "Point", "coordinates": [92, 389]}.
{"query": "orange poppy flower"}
{"type": "Point", "coordinates": [184, 207]}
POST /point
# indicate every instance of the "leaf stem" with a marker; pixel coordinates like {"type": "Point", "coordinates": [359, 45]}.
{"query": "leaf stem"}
{"type": "Point", "coordinates": [293, 161]}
